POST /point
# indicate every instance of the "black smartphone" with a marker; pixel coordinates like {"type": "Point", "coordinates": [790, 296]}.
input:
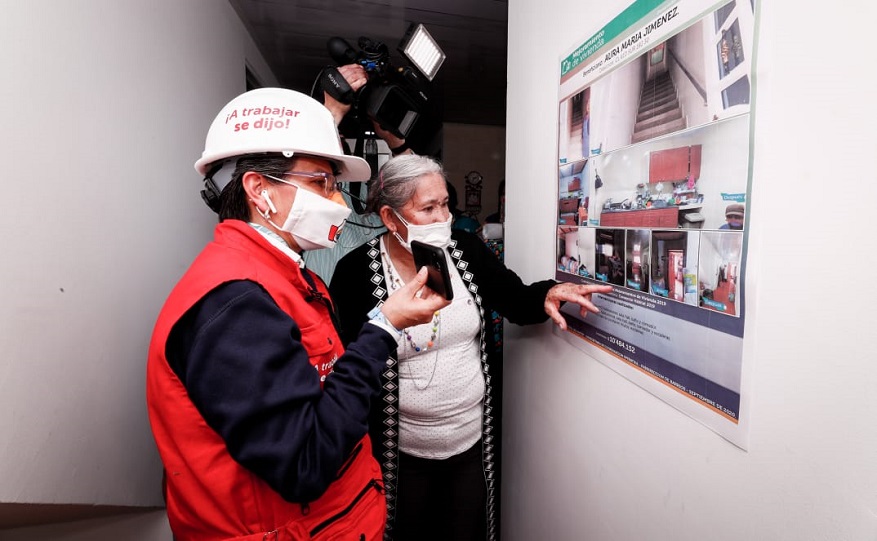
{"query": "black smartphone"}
{"type": "Point", "coordinates": [433, 258]}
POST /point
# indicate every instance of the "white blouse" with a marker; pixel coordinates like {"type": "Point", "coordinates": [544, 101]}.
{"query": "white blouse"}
{"type": "Point", "coordinates": [441, 387]}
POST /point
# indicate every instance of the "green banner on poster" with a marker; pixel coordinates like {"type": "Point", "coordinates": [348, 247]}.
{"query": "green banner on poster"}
{"type": "Point", "coordinates": [621, 23]}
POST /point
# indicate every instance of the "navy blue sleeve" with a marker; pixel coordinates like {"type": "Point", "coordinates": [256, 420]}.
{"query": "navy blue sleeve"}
{"type": "Point", "coordinates": [502, 289]}
{"type": "Point", "coordinates": [241, 360]}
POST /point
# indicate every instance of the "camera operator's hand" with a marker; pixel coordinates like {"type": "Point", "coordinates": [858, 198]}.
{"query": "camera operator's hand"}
{"type": "Point", "coordinates": [356, 77]}
{"type": "Point", "coordinates": [391, 140]}
{"type": "Point", "coordinates": [397, 144]}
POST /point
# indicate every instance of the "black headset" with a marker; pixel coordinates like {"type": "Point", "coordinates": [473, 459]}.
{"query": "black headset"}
{"type": "Point", "coordinates": [210, 193]}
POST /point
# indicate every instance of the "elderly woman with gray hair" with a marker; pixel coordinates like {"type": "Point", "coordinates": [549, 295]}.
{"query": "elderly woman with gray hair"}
{"type": "Point", "coordinates": [434, 424]}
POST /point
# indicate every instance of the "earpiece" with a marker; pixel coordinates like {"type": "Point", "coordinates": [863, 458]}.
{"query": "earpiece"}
{"type": "Point", "coordinates": [268, 201]}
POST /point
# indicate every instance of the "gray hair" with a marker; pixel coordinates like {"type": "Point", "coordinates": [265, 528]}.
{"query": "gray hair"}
{"type": "Point", "coordinates": [397, 180]}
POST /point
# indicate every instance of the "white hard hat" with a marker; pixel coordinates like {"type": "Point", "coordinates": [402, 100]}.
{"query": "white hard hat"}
{"type": "Point", "coordinates": [277, 120]}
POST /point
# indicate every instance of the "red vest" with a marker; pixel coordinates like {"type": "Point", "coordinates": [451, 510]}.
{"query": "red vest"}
{"type": "Point", "coordinates": [209, 495]}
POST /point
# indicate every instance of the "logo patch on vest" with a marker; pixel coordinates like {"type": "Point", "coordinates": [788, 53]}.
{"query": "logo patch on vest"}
{"type": "Point", "coordinates": [324, 369]}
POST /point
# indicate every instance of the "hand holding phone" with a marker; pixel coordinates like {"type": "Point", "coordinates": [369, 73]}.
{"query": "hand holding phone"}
{"type": "Point", "coordinates": [433, 258]}
{"type": "Point", "coordinates": [407, 307]}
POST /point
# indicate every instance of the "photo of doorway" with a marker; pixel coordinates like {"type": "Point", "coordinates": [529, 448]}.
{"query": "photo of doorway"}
{"type": "Point", "coordinates": [637, 257]}
{"type": "Point", "coordinates": [719, 264]}
{"type": "Point", "coordinates": [674, 256]}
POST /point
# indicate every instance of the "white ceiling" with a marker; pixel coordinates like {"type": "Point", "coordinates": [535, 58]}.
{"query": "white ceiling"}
{"type": "Point", "coordinates": [471, 85]}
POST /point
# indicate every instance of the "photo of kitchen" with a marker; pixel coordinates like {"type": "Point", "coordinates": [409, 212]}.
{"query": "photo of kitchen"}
{"type": "Point", "coordinates": [683, 181]}
{"type": "Point", "coordinates": [674, 259]}
{"type": "Point", "coordinates": [573, 190]}
{"type": "Point", "coordinates": [719, 271]}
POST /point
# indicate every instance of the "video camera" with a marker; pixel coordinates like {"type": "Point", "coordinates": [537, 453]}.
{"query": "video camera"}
{"type": "Point", "coordinates": [393, 97]}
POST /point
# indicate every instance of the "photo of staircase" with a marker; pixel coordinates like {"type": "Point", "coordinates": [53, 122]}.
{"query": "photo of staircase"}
{"type": "Point", "coordinates": [659, 111]}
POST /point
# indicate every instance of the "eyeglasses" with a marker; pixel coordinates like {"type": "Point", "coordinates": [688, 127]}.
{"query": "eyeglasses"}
{"type": "Point", "coordinates": [327, 182]}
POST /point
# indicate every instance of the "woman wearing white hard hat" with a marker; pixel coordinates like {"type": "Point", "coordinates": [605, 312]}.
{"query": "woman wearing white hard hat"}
{"type": "Point", "coordinates": [259, 413]}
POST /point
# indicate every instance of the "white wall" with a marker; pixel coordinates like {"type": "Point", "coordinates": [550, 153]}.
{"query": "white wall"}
{"type": "Point", "coordinates": [590, 455]}
{"type": "Point", "coordinates": [105, 106]}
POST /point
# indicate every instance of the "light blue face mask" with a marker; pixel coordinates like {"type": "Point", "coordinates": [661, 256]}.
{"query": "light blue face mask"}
{"type": "Point", "coordinates": [436, 234]}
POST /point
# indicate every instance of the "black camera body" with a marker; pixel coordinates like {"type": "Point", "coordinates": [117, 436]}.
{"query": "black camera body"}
{"type": "Point", "coordinates": [393, 97]}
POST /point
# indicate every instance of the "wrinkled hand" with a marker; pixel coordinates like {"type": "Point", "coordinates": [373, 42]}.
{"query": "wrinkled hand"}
{"type": "Point", "coordinates": [577, 293]}
{"type": "Point", "coordinates": [413, 304]}
{"type": "Point", "coordinates": [356, 77]}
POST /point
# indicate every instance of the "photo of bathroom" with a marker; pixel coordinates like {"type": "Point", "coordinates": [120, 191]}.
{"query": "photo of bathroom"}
{"type": "Point", "coordinates": [674, 260]}
{"type": "Point", "coordinates": [609, 255]}
{"type": "Point", "coordinates": [719, 271]}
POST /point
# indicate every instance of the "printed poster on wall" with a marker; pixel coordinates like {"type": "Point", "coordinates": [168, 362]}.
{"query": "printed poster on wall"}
{"type": "Point", "coordinates": [653, 182]}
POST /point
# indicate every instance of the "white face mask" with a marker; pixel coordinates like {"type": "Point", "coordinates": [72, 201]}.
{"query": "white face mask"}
{"type": "Point", "coordinates": [437, 234]}
{"type": "Point", "coordinates": [313, 221]}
